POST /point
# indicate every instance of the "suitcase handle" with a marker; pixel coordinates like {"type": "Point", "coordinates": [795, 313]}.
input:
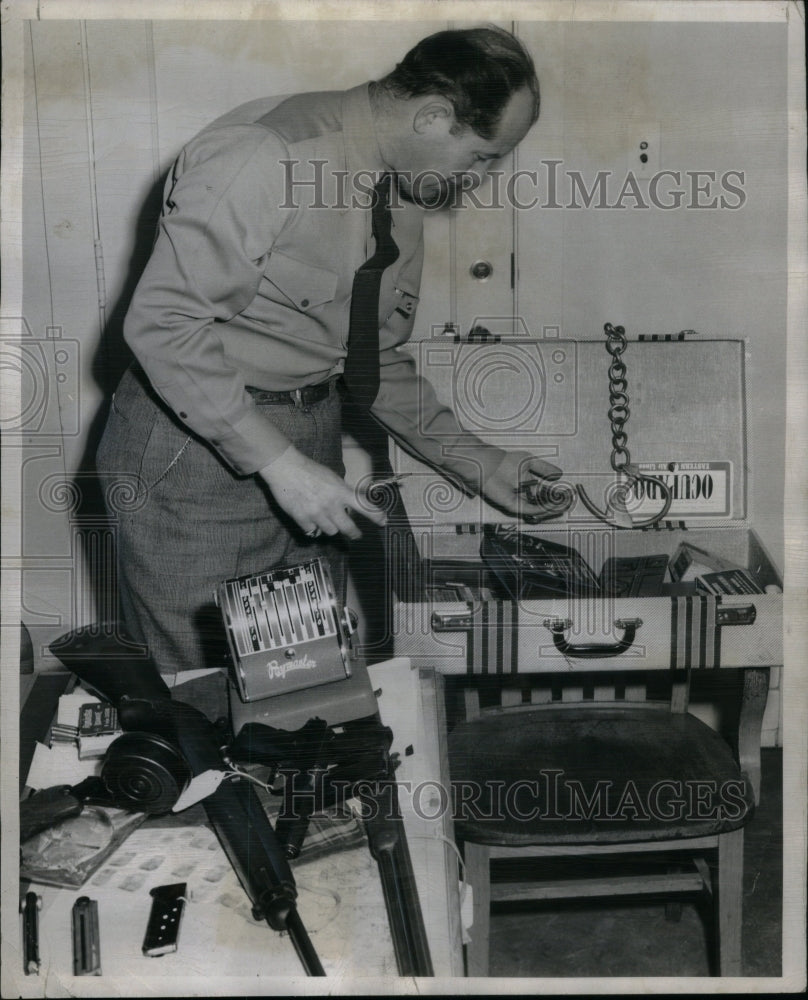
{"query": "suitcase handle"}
{"type": "Point", "coordinates": [595, 650]}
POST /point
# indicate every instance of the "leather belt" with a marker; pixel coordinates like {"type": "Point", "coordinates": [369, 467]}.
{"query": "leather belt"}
{"type": "Point", "coordinates": [293, 397]}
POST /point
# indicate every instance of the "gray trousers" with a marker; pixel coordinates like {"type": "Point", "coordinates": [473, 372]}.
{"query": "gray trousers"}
{"type": "Point", "coordinates": [195, 523]}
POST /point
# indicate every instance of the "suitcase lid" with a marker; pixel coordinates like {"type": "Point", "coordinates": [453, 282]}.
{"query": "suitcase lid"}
{"type": "Point", "coordinates": [550, 397]}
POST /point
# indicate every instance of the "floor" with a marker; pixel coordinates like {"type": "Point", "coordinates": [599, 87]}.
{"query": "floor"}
{"type": "Point", "coordinates": [635, 939]}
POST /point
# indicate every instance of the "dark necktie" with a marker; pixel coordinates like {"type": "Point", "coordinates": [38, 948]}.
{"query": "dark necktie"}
{"type": "Point", "coordinates": [361, 374]}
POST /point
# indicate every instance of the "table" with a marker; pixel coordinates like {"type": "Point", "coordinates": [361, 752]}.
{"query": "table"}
{"type": "Point", "coordinates": [222, 950]}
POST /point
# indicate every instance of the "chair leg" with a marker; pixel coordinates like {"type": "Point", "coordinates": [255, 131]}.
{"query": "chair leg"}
{"type": "Point", "coordinates": [730, 902]}
{"type": "Point", "coordinates": [673, 907]}
{"type": "Point", "coordinates": [478, 876]}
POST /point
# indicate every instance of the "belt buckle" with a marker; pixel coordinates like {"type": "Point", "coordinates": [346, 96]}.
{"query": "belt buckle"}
{"type": "Point", "coordinates": [297, 395]}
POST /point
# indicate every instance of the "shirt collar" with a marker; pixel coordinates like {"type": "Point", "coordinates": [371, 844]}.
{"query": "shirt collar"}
{"type": "Point", "coordinates": [362, 154]}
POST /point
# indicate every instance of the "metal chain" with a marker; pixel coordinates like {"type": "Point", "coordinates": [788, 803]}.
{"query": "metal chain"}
{"type": "Point", "coordinates": [616, 513]}
{"type": "Point", "coordinates": [619, 411]}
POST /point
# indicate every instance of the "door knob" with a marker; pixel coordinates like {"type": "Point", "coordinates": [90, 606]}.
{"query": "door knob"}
{"type": "Point", "coordinates": [481, 270]}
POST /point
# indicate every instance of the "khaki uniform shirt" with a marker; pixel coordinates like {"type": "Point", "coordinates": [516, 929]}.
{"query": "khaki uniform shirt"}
{"type": "Point", "coordinates": [250, 278]}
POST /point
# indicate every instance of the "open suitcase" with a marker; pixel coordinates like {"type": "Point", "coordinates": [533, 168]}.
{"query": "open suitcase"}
{"type": "Point", "coordinates": [456, 609]}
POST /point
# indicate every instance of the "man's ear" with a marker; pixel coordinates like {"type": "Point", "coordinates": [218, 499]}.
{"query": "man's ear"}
{"type": "Point", "coordinates": [436, 111]}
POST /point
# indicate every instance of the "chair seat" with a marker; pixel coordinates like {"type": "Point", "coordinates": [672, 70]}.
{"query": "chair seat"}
{"type": "Point", "coordinates": [593, 775]}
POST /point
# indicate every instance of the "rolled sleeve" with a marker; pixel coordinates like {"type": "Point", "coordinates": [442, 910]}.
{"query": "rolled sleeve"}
{"type": "Point", "coordinates": [221, 217]}
{"type": "Point", "coordinates": [409, 409]}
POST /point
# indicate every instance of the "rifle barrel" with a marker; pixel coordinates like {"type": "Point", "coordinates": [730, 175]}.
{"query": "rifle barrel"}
{"type": "Point", "coordinates": [299, 937]}
{"type": "Point", "coordinates": [404, 911]}
{"type": "Point", "coordinates": [387, 840]}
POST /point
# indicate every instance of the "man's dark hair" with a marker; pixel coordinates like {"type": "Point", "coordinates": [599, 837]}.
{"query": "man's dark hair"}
{"type": "Point", "coordinates": [477, 69]}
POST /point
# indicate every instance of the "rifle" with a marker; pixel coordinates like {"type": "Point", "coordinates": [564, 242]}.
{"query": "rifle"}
{"type": "Point", "coordinates": [166, 742]}
{"type": "Point", "coordinates": [172, 733]}
{"type": "Point", "coordinates": [323, 767]}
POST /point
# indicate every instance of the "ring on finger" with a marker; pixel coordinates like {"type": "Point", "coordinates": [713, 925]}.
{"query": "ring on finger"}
{"type": "Point", "coordinates": [314, 533]}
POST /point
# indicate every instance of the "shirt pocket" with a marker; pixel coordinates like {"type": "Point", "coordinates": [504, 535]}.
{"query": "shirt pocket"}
{"type": "Point", "coordinates": [303, 285]}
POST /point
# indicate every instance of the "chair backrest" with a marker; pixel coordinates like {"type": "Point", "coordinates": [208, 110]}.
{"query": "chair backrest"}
{"type": "Point", "coordinates": [473, 696]}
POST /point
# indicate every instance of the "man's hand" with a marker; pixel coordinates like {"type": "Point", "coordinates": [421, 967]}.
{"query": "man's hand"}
{"type": "Point", "coordinates": [518, 468]}
{"type": "Point", "coordinates": [315, 497]}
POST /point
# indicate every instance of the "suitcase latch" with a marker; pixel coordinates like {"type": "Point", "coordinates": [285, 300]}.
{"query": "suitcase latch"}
{"type": "Point", "coordinates": [738, 614]}
{"type": "Point", "coordinates": [447, 621]}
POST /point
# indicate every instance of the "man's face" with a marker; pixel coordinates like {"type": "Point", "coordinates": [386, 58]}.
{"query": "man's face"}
{"type": "Point", "coordinates": [442, 160]}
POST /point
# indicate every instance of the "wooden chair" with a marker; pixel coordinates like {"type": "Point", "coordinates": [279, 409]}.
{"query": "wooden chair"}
{"type": "Point", "coordinates": [611, 756]}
